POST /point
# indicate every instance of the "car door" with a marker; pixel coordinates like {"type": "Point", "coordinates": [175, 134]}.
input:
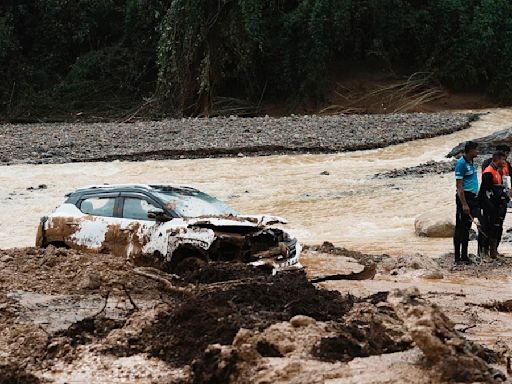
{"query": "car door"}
{"type": "Point", "coordinates": [139, 228]}
{"type": "Point", "coordinates": [99, 229]}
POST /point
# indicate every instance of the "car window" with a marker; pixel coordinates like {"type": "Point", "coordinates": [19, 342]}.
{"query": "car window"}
{"type": "Point", "coordinates": [98, 206]}
{"type": "Point", "coordinates": [135, 208]}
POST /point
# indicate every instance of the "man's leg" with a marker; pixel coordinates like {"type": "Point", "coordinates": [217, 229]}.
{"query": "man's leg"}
{"type": "Point", "coordinates": [467, 220]}
{"type": "Point", "coordinates": [483, 233]}
{"type": "Point", "coordinates": [502, 214]}
{"type": "Point", "coordinates": [458, 229]}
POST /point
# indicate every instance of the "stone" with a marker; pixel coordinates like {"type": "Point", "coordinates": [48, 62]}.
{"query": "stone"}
{"type": "Point", "coordinates": [432, 275]}
{"type": "Point", "coordinates": [430, 225]}
{"type": "Point", "coordinates": [6, 259]}
{"type": "Point", "coordinates": [90, 281]}
{"type": "Point", "coordinates": [301, 321]}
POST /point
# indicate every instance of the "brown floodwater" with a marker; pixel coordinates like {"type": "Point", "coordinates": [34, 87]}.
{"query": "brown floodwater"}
{"type": "Point", "coordinates": [348, 207]}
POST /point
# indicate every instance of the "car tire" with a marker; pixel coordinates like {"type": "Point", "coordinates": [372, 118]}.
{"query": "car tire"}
{"type": "Point", "coordinates": [189, 264]}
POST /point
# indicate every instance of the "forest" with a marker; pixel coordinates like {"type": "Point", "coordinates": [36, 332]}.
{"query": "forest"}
{"type": "Point", "coordinates": [192, 57]}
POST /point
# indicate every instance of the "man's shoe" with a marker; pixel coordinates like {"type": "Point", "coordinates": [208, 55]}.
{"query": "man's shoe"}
{"type": "Point", "coordinates": [459, 262]}
{"type": "Point", "coordinates": [466, 260]}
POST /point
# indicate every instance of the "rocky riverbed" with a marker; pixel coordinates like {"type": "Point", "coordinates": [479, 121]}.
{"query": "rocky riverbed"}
{"type": "Point", "coordinates": [192, 138]}
{"type": "Point", "coordinates": [428, 168]}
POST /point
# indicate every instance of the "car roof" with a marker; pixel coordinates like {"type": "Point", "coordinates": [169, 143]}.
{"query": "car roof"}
{"type": "Point", "coordinates": [129, 188]}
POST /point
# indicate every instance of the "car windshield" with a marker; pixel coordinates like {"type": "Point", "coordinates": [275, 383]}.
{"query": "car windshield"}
{"type": "Point", "coordinates": [191, 203]}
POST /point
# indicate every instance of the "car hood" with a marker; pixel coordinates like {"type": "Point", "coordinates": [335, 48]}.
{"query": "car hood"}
{"type": "Point", "coordinates": [237, 221]}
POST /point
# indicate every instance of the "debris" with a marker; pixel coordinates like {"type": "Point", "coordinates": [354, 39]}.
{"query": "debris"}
{"type": "Point", "coordinates": [367, 273]}
{"type": "Point", "coordinates": [500, 306]}
{"type": "Point", "coordinates": [456, 358]}
{"type": "Point", "coordinates": [325, 173]}
{"type": "Point", "coordinates": [40, 186]}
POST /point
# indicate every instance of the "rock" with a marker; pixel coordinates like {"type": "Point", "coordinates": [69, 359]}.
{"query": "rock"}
{"type": "Point", "coordinates": [6, 259]}
{"type": "Point", "coordinates": [90, 281]}
{"type": "Point", "coordinates": [430, 225]}
{"type": "Point", "coordinates": [487, 144]}
{"type": "Point", "coordinates": [432, 275]}
{"type": "Point", "coordinates": [301, 321]}
{"type": "Point", "coordinates": [325, 173]}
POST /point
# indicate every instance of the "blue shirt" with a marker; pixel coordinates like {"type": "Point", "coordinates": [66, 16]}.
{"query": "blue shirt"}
{"type": "Point", "coordinates": [466, 171]}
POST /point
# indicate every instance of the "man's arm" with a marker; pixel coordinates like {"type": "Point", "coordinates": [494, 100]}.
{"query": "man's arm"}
{"type": "Point", "coordinates": [462, 197]}
{"type": "Point", "coordinates": [486, 186]}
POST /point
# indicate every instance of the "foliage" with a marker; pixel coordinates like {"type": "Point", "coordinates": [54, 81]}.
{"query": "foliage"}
{"type": "Point", "coordinates": [74, 55]}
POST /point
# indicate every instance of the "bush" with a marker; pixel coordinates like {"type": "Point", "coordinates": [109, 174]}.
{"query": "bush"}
{"type": "Point", "coordinates": [70, 55]}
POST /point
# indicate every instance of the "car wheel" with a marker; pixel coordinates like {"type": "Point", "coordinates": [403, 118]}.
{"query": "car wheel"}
{"type": "Point", "coordinates": [189, 264]}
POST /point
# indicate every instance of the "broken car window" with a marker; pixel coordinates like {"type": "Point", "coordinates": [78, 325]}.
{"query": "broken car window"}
{"type": "Point", "coordinates": [194, 203]}
{"type": "Point", "coordinates": [137, 209]}
{"type": "Point", "coordinates": [98, 206]}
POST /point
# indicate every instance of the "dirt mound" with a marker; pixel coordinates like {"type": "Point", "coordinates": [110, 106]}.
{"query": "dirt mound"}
{"type": "Point", "coordinates": [11, 374]}
{"type": "Point", "coordinates": [402, 264]}
{"type": "Point", "coordinates": [278, 353]}
{"type": "Point", "coordinates": [456, 358]}
{"type": "Point", "coordinates": [64, 271]}
{"type": "Point", "coordinates": [361, 258]}
{"type": "Point", "coordinates": [215, 314]}
{"type": "Point", "coordinates": [224, 271]}
{"type": "Point", "coordinates": [84, 331]}
{"type": "Point", "coordinates": [366, 330]}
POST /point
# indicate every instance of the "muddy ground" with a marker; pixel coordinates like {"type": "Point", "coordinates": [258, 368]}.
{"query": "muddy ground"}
{"type": "Point", "coordinates": [214, 137]}
{"type": "Point", "coordinates": [67, 316]}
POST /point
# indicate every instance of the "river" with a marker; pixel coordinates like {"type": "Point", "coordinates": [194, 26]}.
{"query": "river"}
{"type": "Point", "coordinates": [348, 207]}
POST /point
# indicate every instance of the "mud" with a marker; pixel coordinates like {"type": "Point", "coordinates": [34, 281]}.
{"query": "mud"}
{"type": "Point", "coordinates": [11, 374]}
{"type": "Point", "coordinates": [500, 306]}
{"type": "Point", "coordinates": [455, 357]}
{"type": "Point", "coordinates": [180, 333]}
{"type": "Point", "coordinates": [225, 324]}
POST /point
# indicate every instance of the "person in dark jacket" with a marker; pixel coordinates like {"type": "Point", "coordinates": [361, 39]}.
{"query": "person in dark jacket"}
{"type": "Point", "coordinates": [493, 199]}
{"type": "Point", "coordinates": [505, 171]}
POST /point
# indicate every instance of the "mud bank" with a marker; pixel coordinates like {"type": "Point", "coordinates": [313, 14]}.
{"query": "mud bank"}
{"type": "Point", "coordinates": [67, 316]}
{"type": "Point", "coordinates": [421, 170]}
{"type": "Point", "coordinates": [217, 137]}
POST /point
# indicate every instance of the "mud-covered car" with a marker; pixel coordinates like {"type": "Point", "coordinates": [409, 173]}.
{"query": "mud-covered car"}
{"type": "Point", "coordinates": [178, 228]}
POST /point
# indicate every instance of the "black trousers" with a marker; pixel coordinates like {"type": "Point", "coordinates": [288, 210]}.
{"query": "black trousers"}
{"type": "Point", "coordinates": [463, 225]}
{"type": "Point", "coordinates": [491, 220]}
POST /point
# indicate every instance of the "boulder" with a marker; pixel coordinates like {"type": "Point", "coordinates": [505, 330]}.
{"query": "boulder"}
{"type": "Point", "coordinates": [487, 144]}
{"type": "Point", "coordinates": [430, 225]}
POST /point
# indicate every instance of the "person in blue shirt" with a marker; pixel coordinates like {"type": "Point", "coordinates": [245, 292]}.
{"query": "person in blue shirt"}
{"type": "Point", "coordinates": [466, 181]}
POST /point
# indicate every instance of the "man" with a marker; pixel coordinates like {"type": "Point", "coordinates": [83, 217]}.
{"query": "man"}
{"type": "Point", "coordinates": [493, 199]}
{"type": "Point", "coordinates": [505, 171]}
{"type": "Point", "coordinates": [466, 181]}
{"type": "Point", "coordinates": [506, 150]}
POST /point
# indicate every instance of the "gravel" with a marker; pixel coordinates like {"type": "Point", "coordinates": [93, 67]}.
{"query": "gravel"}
{"type": "Point", "coordinates": [215, 137]}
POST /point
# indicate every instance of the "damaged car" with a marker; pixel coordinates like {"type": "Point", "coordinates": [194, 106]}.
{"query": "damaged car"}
{"type": "Point", "coordinates": [175, 228]}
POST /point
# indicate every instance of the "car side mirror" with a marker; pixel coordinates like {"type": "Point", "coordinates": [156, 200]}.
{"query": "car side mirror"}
{"type": "Point", "coordinates": [159, 215]}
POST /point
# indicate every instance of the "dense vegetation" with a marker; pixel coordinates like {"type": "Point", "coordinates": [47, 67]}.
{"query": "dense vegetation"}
{"type": "Point", "coordinates": [179, 57]}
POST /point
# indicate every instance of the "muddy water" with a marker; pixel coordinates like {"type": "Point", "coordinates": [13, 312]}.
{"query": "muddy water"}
{"type": "Point", "coordinates": [348, 207]}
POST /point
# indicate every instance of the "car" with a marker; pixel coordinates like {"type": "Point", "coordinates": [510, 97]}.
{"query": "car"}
{"type": "Point", "coordinates": [175, 228]}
